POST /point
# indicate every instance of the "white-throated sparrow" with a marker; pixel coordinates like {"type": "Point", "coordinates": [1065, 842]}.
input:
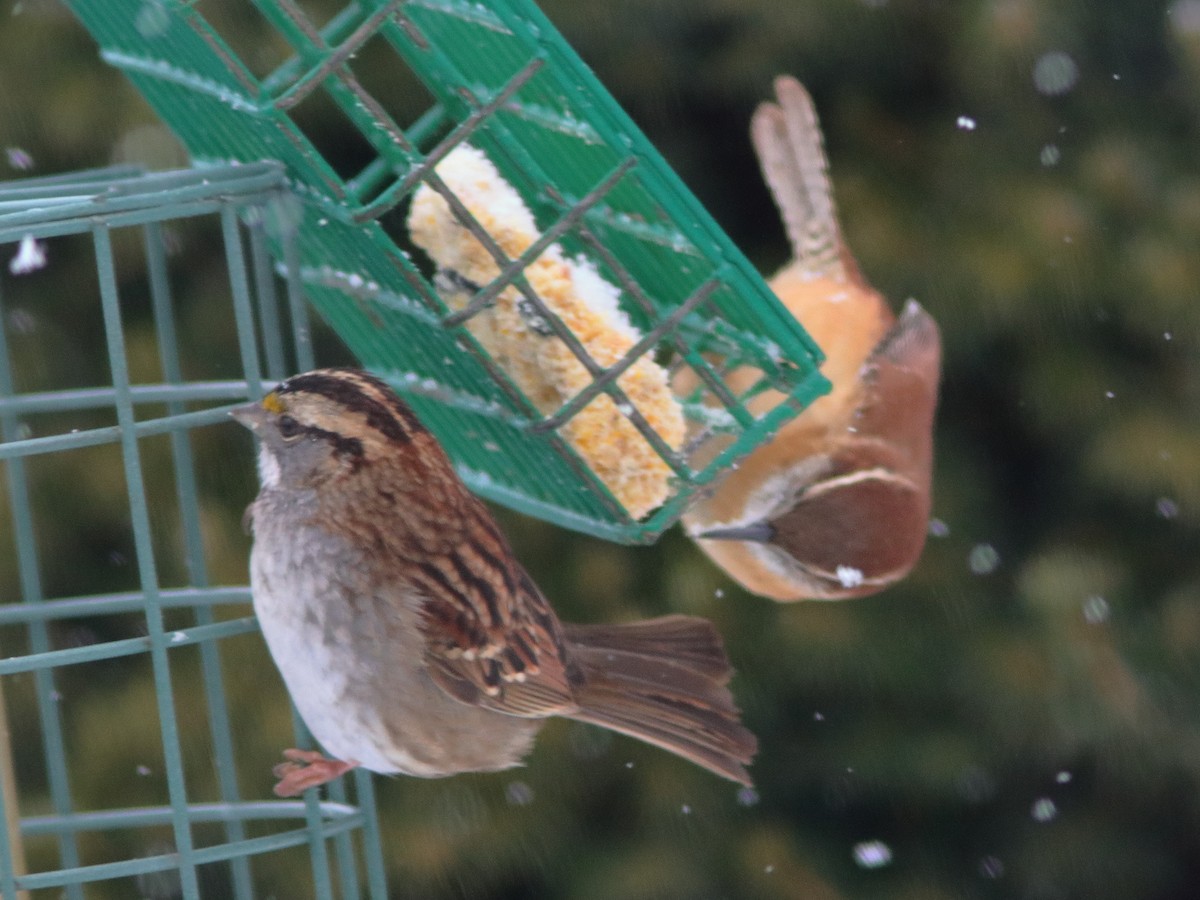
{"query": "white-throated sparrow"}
{"type": "Point", "coordinates": [408, 635]}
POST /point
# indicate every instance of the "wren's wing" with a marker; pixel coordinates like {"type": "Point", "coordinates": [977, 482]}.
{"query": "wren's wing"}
{"type": "Point", "coordinates": [901, 377]}
{"type": "Point", "coordinates": [863, 526]}
{"type": "Point", "coordinates": [492, 639]}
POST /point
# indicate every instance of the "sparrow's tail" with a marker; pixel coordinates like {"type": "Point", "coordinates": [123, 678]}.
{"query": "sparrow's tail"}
{"type": "Point", "coordinates": [663, 681]}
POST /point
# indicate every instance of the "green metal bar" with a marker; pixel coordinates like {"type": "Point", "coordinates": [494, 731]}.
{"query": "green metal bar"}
{"type": "Point", "coordinates": [243, 314]}
{"type": "Point", "coordinates": [39, 227]}
{"type": "Point", "coordinates": [65, 181]}
{"type": "Point", "coordinates": [12, 850]}
{"type": "Point", "coordinates": [267, 302]}
{"type": "Point", "coordinates": [116, 604]}
{"type": "Point", "coordinates": [193, 547]}
{"type": "Point", "coordinates": [606, 381]}
{"type": "Point", "coordinates": [318, 855]}
{"type": "Point", "coordinates": [512, 269]}
{"type": "Point", "coordinates": [199, 814]}
{"type": "Point", "coordinates": [32, 595]}
{"type": "Point", "coordinates": [312, 45]}
{"type": "Point", "coordinates": [422, 131]}
{"type": "Point", "coordinates": [486, 486]}
{"type": "Point", "coordinates": [99, 397]}
{"type": "Point", "coordinates": [335, 31]}
{"type": "Point", "coordinates": [167, 861]}
{"type": "Point", "coordinates": [12, 846]}
{"type": "Point", "coordinates": [108, 435]}
{"type": "Point", "coordinates": [364, 792]}
{"type": "Point", "coordinates": [327, 68]}
{"type": "Point", "coordinates": [174, 396]}
{"type": "Point", "coordinates": [128, 183]}
{"type": "Point", "coordinates": [297, 306]}
{"type": "Point", "coordinates": [634, 290]}
{"type": "Point", "coordinates": [148, 576]}
{"type": "Point", "coordinates": [120, 208]}
{"type": "Point", "coordinates": [182, 637]}
{"type": "Point", "coordinates": [343, 846]}
{"type": "Point", "coordinates": [458, 135]}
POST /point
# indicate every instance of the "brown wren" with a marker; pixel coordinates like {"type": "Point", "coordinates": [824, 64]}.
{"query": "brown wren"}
{"type": "Point", "coordinates": [837, 503]}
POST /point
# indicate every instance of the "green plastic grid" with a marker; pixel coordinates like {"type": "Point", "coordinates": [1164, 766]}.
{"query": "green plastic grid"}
{"type": "Point", "coordinates": [498, 75]}
{"type": "Point", "coordinates": [242, 204]}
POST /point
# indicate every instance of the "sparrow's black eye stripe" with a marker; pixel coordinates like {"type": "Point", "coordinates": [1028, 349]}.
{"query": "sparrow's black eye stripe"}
{"type": "Point", "coordinates": [342, 445]}
{"type": "Point", "coordinates": [289, 427]}
{"type": "Point", "coordinates": [362, 393]}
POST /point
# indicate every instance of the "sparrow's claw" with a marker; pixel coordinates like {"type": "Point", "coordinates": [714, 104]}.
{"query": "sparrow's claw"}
{"type": "Point", "coordinates": [304, 769]}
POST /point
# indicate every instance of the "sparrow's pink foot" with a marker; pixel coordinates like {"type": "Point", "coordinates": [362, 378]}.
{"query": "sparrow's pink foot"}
{"type": "Point", "coordinates": [305, 769]}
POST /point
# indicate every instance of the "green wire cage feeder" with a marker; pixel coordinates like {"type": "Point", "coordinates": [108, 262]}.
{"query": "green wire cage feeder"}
{"type": "Point", "coordinates": [299, 214]}
{"type": "Point", "coordinates": [133, 436]}
{"type": "Point", "coordinates": [498, 78]}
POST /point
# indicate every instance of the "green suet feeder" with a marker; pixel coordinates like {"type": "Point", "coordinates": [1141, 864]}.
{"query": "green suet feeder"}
{"type": "Point", "coordinates": [499, 77]}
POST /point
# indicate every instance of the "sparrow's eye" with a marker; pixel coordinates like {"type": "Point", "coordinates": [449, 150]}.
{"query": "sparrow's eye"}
{"type": "Point", "coordinates": [288, 427]}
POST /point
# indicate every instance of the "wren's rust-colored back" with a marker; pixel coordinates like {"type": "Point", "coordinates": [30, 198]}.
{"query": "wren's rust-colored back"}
{"type": "Point", "coordinates": [837, 504]}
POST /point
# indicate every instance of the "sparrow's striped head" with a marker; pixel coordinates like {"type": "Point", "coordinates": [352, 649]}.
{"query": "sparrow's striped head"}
{"type": "Point", "coordinates": [328, 397]}
{"type": "Point", "coordinates": [325, 422]}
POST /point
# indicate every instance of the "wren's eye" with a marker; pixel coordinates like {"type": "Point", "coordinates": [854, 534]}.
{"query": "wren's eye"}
{"type": "Point", "coordinates": [289, 428]}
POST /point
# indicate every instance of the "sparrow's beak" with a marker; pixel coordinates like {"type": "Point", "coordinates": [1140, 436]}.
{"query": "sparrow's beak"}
{"type": "Point", "coordinates": [251, 415]}
{"type": "Point", "coordinates": [757, 532]}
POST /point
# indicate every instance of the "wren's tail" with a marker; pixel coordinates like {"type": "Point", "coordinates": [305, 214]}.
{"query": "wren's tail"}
{"type": "Point", "coordinates": [788, 142]}
{"type": "Point", "coordinates": [663, 681]}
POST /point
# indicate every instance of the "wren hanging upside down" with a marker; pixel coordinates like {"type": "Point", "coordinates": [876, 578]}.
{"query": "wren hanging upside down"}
{"type": "Point", "coordinates": [837, 504]}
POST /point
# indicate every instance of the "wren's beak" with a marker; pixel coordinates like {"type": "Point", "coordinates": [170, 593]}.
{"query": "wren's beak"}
{"type": "Point", "coordinates": [252, 415]}
{"type": "Point", "coordinates": [756, 532]}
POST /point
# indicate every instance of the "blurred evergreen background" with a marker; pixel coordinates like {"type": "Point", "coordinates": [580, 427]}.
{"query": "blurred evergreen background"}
{"type": "Point", "coordinates": [1020, 718]}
